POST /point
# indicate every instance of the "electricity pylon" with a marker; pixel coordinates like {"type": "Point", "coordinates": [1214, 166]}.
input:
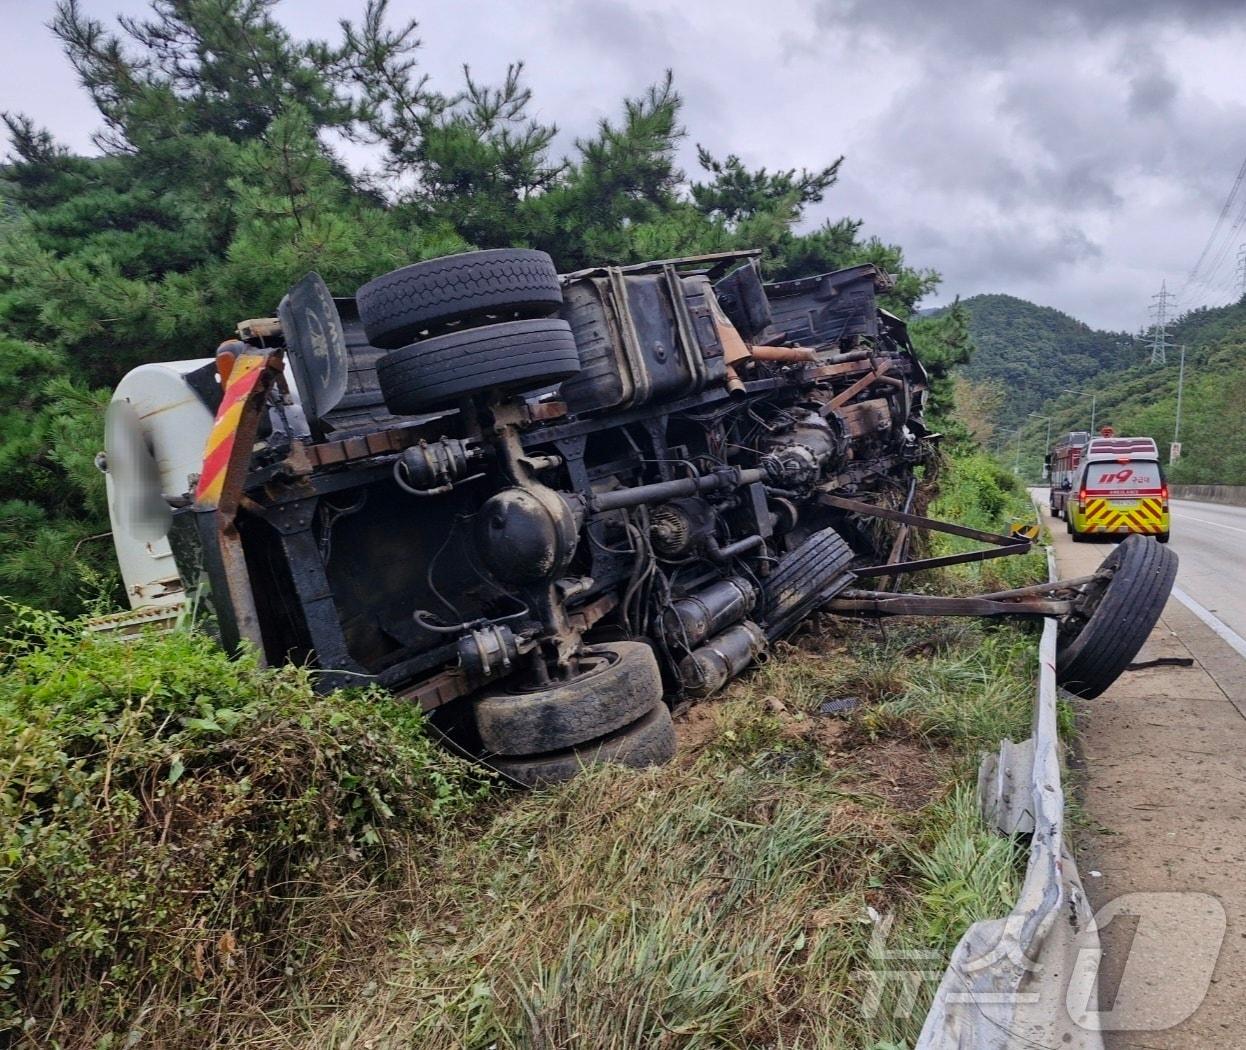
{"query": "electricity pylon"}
{"type": "Point", "coordinates": [1161, 303]}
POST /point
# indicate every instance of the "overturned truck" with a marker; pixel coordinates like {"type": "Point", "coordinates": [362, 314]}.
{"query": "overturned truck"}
{"type": "Point", "coordinates": [544, 507]}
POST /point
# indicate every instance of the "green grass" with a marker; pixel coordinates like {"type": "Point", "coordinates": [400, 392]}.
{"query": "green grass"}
{"type": "Point", "coordinates": [199, 853]}
{"type": "Point", "coordinates": [975, 490]}
{"type": "Point", "coordinates": [728, 900]}
{"type": "Point", "coordinates": [180, 832]}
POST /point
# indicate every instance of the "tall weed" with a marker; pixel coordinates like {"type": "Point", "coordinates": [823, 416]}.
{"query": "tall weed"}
{"type": "Point", "coordinates": [179, 830]}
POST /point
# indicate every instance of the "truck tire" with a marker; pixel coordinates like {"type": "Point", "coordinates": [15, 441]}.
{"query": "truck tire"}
{"type": "Point", "coordinates": [621, 683]}
{"type": "Point", "coordinates": [803, 577]}
{"type": "Point", "coordinates": [396, 307]}
{"type": "Point", "coordinates": [649, 741]}
{"type": "Point", "coordinates": [1094, 650]}
{"type": "Point", "coordinates": [501, 358]}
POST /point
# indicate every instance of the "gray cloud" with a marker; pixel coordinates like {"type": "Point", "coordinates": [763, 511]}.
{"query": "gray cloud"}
{"type": "Point", "coordinates": [1056, 142]}
{"type": "Point", "coordinates": [994, 29]}
{"type": "Point", "coordinates": [1151, 91]}
{"type": "Point", "coordinates": [1074, 152]}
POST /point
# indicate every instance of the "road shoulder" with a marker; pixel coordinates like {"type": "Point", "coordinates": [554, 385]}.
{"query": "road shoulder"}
{"type": "Point", "coordinates": [1163, 786]}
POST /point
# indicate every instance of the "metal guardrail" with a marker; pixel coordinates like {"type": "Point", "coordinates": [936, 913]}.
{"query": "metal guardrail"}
{"type": "Point", "coordinates": [1233, 495]}
{"type": "Point", "coordinates": [1030, 978]}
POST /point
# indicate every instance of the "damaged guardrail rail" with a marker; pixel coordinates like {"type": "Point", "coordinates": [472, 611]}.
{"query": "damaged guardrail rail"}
{"type": "Point", "coordinates": [1028, 979]}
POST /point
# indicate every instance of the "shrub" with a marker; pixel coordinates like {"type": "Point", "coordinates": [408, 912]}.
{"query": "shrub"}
{"type": "Point", "coordinates": [174, 821]}
{"type": "Point", "coordinates": [974, 489]}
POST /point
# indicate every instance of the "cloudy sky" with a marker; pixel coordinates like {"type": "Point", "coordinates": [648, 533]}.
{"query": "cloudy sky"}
{"type": "Point", "coordinates": [1073, 152]}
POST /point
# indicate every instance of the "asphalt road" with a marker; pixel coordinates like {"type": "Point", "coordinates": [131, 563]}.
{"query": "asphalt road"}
{"type": "Point", "coordinates": [1211, 540]}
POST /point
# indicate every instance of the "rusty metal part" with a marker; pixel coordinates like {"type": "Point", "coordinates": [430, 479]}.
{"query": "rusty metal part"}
{"type": "Point", "coordinates": [361, 446]}
{"type": "Point", "coordinates": [1004, 545]}
{"type": "Point", "coordinates": [921, 521]}
{"type": "Point", "coordinates": [528, 514]}
{"type": "Point", "coordinates": [226, 354]}
{"type": "Point", "coordinates": [543, 411]}
{"type": "Point", "coordinates": [437, 691]}
{"type": "Point", "coordinates": [712, 262]}
{"type": "Point", "coordinates": [584, 617]}
{"type": "Point", "coordinates": [844, 396]}
{"type": "Point", "coordinates": [782, 354]}
{"type": "Point", "coordinates": [452, 683]}
{"type": "Point", "coordinates": [883, 603]}
{"type": "Point", "coordinates": [860, 363]}
{"type": "Point", "coordinates": [900, 545]}
{"type": "Point", "coordinates": [228, 456]}
{"type": "Point", "coordinates": [559, 503]}
{"type": "Point", "coordinates": [736, 351]}
{"type": "Point", "coordinates": [922, 564]}
{"type": "Point", "coordinates": [865, 417]}
{"type": "Point", "coordinates": [1051, 587]}
{"type": "Point", "coordinates": [265, 329]}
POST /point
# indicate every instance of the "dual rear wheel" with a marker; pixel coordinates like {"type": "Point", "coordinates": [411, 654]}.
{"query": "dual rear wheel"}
{"type": "Point", "coordinates": [463, 325]}
{"type": "Point", "coordinates": [611, 711]}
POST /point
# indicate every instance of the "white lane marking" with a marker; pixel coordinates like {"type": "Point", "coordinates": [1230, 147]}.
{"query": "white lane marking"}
{"type": "Point", "coordinates": [1235, 640]}
{"type": "Point", "coordinates": [1207, 521]}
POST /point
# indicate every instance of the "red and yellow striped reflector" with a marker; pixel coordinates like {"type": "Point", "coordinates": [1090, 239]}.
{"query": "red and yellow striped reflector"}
{"type": "Point", "coordinates": [243, 379]}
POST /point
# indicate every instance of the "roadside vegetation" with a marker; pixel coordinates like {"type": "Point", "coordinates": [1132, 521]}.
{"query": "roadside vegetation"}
{"type": "Point", "coordinates": [198, 853]}
{"type": "Point", "coordinates": [1027, 353]}
{"type": "Point", "coordinates": [977, 491]}
{"type": "Point", "coordinates": [1143, 400]}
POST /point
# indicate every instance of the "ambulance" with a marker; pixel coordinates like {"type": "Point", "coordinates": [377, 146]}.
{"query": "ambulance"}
{"type": "Point", "coordinates": [1118, 488]}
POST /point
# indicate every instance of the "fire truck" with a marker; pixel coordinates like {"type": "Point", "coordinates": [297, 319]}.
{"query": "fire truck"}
{"type": "Point", "coordinates": [1062, 463]}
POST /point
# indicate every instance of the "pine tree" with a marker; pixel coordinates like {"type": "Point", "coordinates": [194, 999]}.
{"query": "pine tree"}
{"type": "Point", "coordinates": [216, 188]}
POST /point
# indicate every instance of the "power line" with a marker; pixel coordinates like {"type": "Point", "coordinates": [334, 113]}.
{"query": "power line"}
{"type": "Point", "coordinates": [1161, 302]}
{"type": "Point", "coordinates": [1221, 238]}
{"type": "Point", "coordinates": [1218, 276]}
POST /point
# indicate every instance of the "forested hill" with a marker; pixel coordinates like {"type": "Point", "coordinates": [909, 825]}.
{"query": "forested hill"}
{"type": "Point", "coordinates": [1033, 365]}
{"type": "Point", "coordinates": [1143, 400]}
{"type": "Point", "coordinates": [1028, 352]}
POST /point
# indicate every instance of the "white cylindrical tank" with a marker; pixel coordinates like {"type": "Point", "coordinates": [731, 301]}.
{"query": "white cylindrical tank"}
{"type": "Point", "coordinates": [154, 439]}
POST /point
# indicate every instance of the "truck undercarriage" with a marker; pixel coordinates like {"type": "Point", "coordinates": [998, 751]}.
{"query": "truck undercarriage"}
{"type": "Point", "coordinates": [543, 506]}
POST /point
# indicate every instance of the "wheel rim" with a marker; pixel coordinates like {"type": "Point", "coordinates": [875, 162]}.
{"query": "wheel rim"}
{"type": "Point", "coordinates": [601, 660]}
